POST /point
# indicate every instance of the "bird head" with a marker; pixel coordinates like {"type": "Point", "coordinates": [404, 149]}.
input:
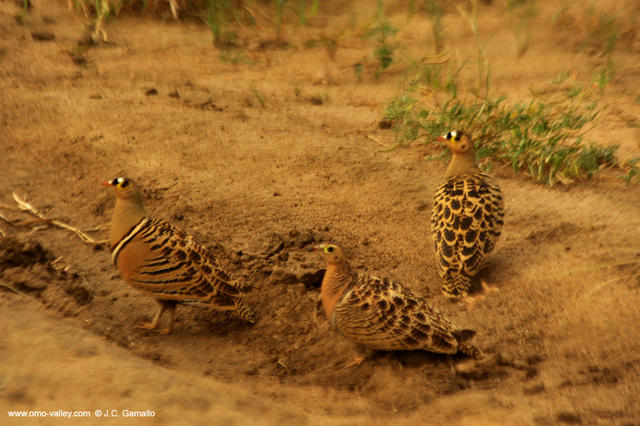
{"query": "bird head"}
{"type": "Point", "coordinates": [124, 188]}
{"type": "Point", "coordinates": [331, 253]}
{"type": "Point", "coordinates": [458, 142]}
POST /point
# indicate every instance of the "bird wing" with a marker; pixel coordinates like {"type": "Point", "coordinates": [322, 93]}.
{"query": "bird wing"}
{"type": "Point", "coordinates": [466, 222]}
{"type": "Point", "coordinates": [167, 263]}
{"type": "Point", "coordinates": [380, 314]}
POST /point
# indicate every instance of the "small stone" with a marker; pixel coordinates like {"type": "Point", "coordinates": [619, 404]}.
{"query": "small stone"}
{"type": "Point", "coordinates": [43, 36]}
{"type": "Point", "coordinates": [384, 124]}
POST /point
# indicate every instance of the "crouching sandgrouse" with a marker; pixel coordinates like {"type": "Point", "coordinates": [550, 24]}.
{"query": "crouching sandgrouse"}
{"type": "Point", "coordinates": [467, 217]}
{"type": "Point", "coordinates": [382, 315]}
{"type": "Point", "coordinates": [161, 261]}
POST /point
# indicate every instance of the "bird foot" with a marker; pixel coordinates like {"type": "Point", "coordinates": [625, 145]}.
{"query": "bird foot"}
{"type": "Point", "coordinates": [486, 290]}
{"type": "Point", "coordinates": [153, 327]}
{"type": "Point", "coordinates": [356, 361]}
{"type": "Point", "coordinates": [471, 301]}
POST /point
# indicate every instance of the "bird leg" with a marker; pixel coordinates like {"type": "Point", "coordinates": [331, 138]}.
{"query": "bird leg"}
{"type": "Point", "coordinates": [363, 355]}
{"type": "Point", "coordinates": [472, 300]}
{"type": "Point", "coordinates": [163, 305]}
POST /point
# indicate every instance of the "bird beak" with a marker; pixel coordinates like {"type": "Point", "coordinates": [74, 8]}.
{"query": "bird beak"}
{"type": "Point", "coordinates": [107, 183]}
{"type": "Point", "coordinates": [446, 141]}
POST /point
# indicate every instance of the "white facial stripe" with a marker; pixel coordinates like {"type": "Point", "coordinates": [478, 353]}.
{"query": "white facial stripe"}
{"type": "Point", "coordinates": [454, 134]}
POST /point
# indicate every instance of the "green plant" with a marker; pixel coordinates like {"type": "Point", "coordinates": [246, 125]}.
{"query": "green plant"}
{"type": "Point", "coordinates": [603, 32]}
{"type": "Point", "coordinates": [257, 95]}
{"type": "Point", "coordinates": [382, 31]}
{"type": "Point", "coordinates": [303, 10]}
{"type": "Point", "coordinates": [279, 9]}
{"type": "Point", "coordinates": [560, 78]}
{"type": "Point", "coordinates": [633, 171]}
{"type": "Point", "coordinates": [604, 75]}
{"type": "Point", "coordinates": [543, 137]}
{"type": "Point", "coordinates": [400, 112]}
{"type": "Point", "coordinates": [434, 9]}
{"type": "Point", "coordinates": [592, 30]}
{"type": "Point", "coordinates": [96, 13]}
{"type": "Point", "coordinates": [215, 15]}
{"type": "Point", "coordinates": [483, 65]}
{"type": "Point", "coordinates": [521, 12]}
{"type": "Point", "coordinates": [359, 69]}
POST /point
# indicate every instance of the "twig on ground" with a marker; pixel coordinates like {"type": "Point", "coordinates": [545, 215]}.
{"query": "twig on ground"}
{"type": "Point", "coordinates": [385, 147]}
{"type": "Point", "coordinates": [18, 292]}
{"type": "Point", "coordinates": [28, 208]}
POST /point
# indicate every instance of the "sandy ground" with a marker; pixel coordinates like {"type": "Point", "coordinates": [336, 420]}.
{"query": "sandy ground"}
{"type": "Point", "coordinates": [262, 179]}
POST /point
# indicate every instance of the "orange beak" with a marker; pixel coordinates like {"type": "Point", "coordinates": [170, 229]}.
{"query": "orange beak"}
{"type": "Point", "coordinates": [106, 183]}
{"type": "Point", "coordinates": [441, 139]}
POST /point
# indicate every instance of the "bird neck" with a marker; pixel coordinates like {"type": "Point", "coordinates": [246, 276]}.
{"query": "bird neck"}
{"type": "Point", "coordinates": [461, 163]}
{"type": "Point", "coordinates": [336, 280]}
{"type": "Point", "coordinates": [126, 214]}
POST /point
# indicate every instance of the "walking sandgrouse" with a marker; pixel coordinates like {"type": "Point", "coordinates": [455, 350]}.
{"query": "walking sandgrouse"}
{"type": "Point", "coordinates": [382, 315]}
{"type": "Point", "coordinates": [467, 217]}
{"type": "Point", "coordinates": [161, 261]}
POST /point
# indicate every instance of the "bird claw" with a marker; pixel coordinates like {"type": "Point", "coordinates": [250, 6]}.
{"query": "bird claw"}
{"type": "Point", "coordinates": [146, 326]}
{"type": "Point", "coordinates": [356, 361]}
{"type": "Point", "coordinates": [471, 301]}
{"type": "Point", "coordinates": [486, 290]}
{"type": "Point", "coordinates": [153, 327]}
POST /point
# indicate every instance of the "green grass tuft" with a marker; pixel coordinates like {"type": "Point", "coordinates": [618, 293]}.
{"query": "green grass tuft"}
{"type": "Point", "coordinates": [541, 138]}
{"type": "Point", "coordinates": [381, 32]}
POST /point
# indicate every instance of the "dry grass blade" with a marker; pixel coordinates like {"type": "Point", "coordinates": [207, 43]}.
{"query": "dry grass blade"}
{"type": "Point", "coordinates": [605, 283]}
{"type": "Point", "coordinates": [13, 290]}
{"type": "Point", "coordinates": [436, 59]}
{"type": "Point", "coordinates": [174, 8]}
{"type": "Point", "coordinates": [385, 147]}
{"type": "Point", "coordinates": [25, 206]}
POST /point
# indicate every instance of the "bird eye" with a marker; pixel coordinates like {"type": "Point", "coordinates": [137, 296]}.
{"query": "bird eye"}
{"type": "Point", "coordinates": [123, 183]}
{"type": "Point", "coordinates": [457, 138]}
{"type": "Point", "coordinates": [328, 249]}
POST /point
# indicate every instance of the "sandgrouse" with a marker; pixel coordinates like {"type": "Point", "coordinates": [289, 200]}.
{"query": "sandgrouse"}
{"type": "Point", "coordinates": [382, 315]}
{"type": "Point", "coordinates": [161, 261]}
{"type": "Point", "coordinates": [467, 217]}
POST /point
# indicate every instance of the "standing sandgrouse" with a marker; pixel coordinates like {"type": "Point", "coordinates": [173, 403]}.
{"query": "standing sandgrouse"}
{"type": "Point", "coordinates": [467, 217]}
{"type": "Point", "coordinates": [382, 315]}
{"type": "Point", "coordinates": [161, 261]}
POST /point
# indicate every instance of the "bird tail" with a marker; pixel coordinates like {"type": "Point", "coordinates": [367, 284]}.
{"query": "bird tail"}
{"type": "Point", "coordinates": [241, 286]}
{"type": "Point", "coordinates": [455, 285]}
{"type": "Point", "coordinates": [464, 343]}
{"type": "Point", "coordinates": [245, 312]}
{"type": "Point", "coordinates": [470, 350]}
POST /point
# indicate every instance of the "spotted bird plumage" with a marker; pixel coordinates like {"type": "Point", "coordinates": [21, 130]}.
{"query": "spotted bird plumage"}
{"type": "Point", "coordinates": [383, 315]}
{"type": "Point", "coordinates": [467, 218]}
